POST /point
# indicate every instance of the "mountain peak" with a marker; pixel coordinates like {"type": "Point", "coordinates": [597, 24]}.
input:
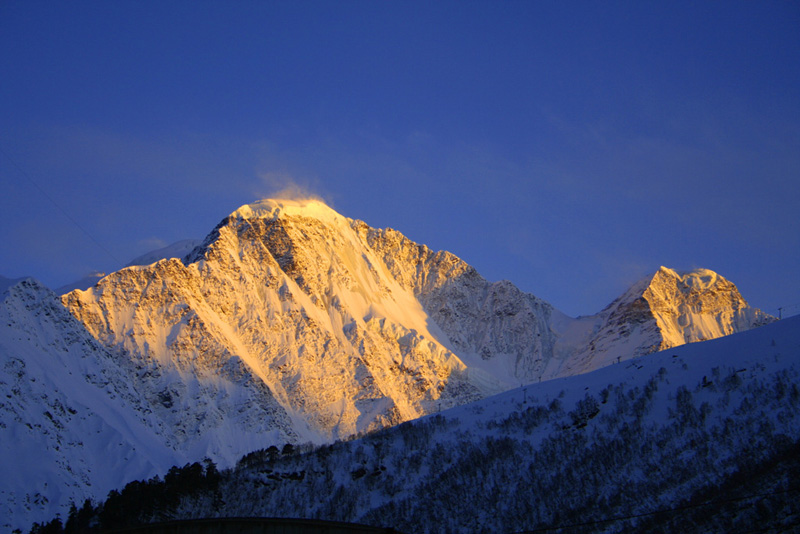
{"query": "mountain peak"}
{"type": "Point", "coordinates": [699, 284]}
{"type": "Point", "coordinates": [664, 310]}
{"type": "Point", "coordinates": [699, 279]}
{"type": "Point", "coordinates": [274, 208]}
{"type": "Point", "coordinates": [697, 305]}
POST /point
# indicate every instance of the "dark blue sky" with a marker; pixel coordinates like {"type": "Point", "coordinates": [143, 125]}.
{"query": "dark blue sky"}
{"type": "Point", "coordinates": [570, 147]}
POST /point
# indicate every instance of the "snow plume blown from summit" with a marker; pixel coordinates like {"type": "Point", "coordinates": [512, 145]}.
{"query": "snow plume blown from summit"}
{"type": "Point", "coordinates": [280, 185]}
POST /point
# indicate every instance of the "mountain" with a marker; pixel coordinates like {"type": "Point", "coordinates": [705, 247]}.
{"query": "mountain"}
{"type": "Point", "coordinates": [290, 323]}
{"type": "Point", "coordinates": [701, 438]}
{"type": "Point", "coordinates": [335, 328]}
{"type": "Point", "coordinates": [289, 300]}
{"type": "Point", "coordinates": [662, 311]}
{"type": "Point", "coordinates": [78, 419]}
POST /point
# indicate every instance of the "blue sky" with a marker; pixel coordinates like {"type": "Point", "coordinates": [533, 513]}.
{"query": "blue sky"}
{"type": "Point", "coordinates": [570, 147]}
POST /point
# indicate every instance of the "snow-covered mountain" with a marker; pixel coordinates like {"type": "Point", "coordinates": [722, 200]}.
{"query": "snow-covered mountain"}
{"type": "Point", "coordinates": [282, 277]}
{"type": "Point", "coordinates": [292, 323]}
{"type": "Point", "coordinates": [78, 419]}
{"type": "Point", "coordinates": [344, 328]}
{"type": "Point", "coordinates": [288, 297]}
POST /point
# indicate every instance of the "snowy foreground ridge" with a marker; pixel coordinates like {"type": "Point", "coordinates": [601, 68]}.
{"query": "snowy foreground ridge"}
{"type": "Point", "coordinates": [701, 438]}
{"type": "Point", "coordinates": [289, 323]}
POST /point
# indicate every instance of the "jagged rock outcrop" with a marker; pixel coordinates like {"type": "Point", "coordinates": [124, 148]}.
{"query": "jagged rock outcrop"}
{"type": "Point", "coordinates": [697, 306]}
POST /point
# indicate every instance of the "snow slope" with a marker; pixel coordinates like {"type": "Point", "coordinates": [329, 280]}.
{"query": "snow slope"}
{"type": "Point", "coordinates": [78, 419]}
{"type": "Point", "coordinates": [73, 424]}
